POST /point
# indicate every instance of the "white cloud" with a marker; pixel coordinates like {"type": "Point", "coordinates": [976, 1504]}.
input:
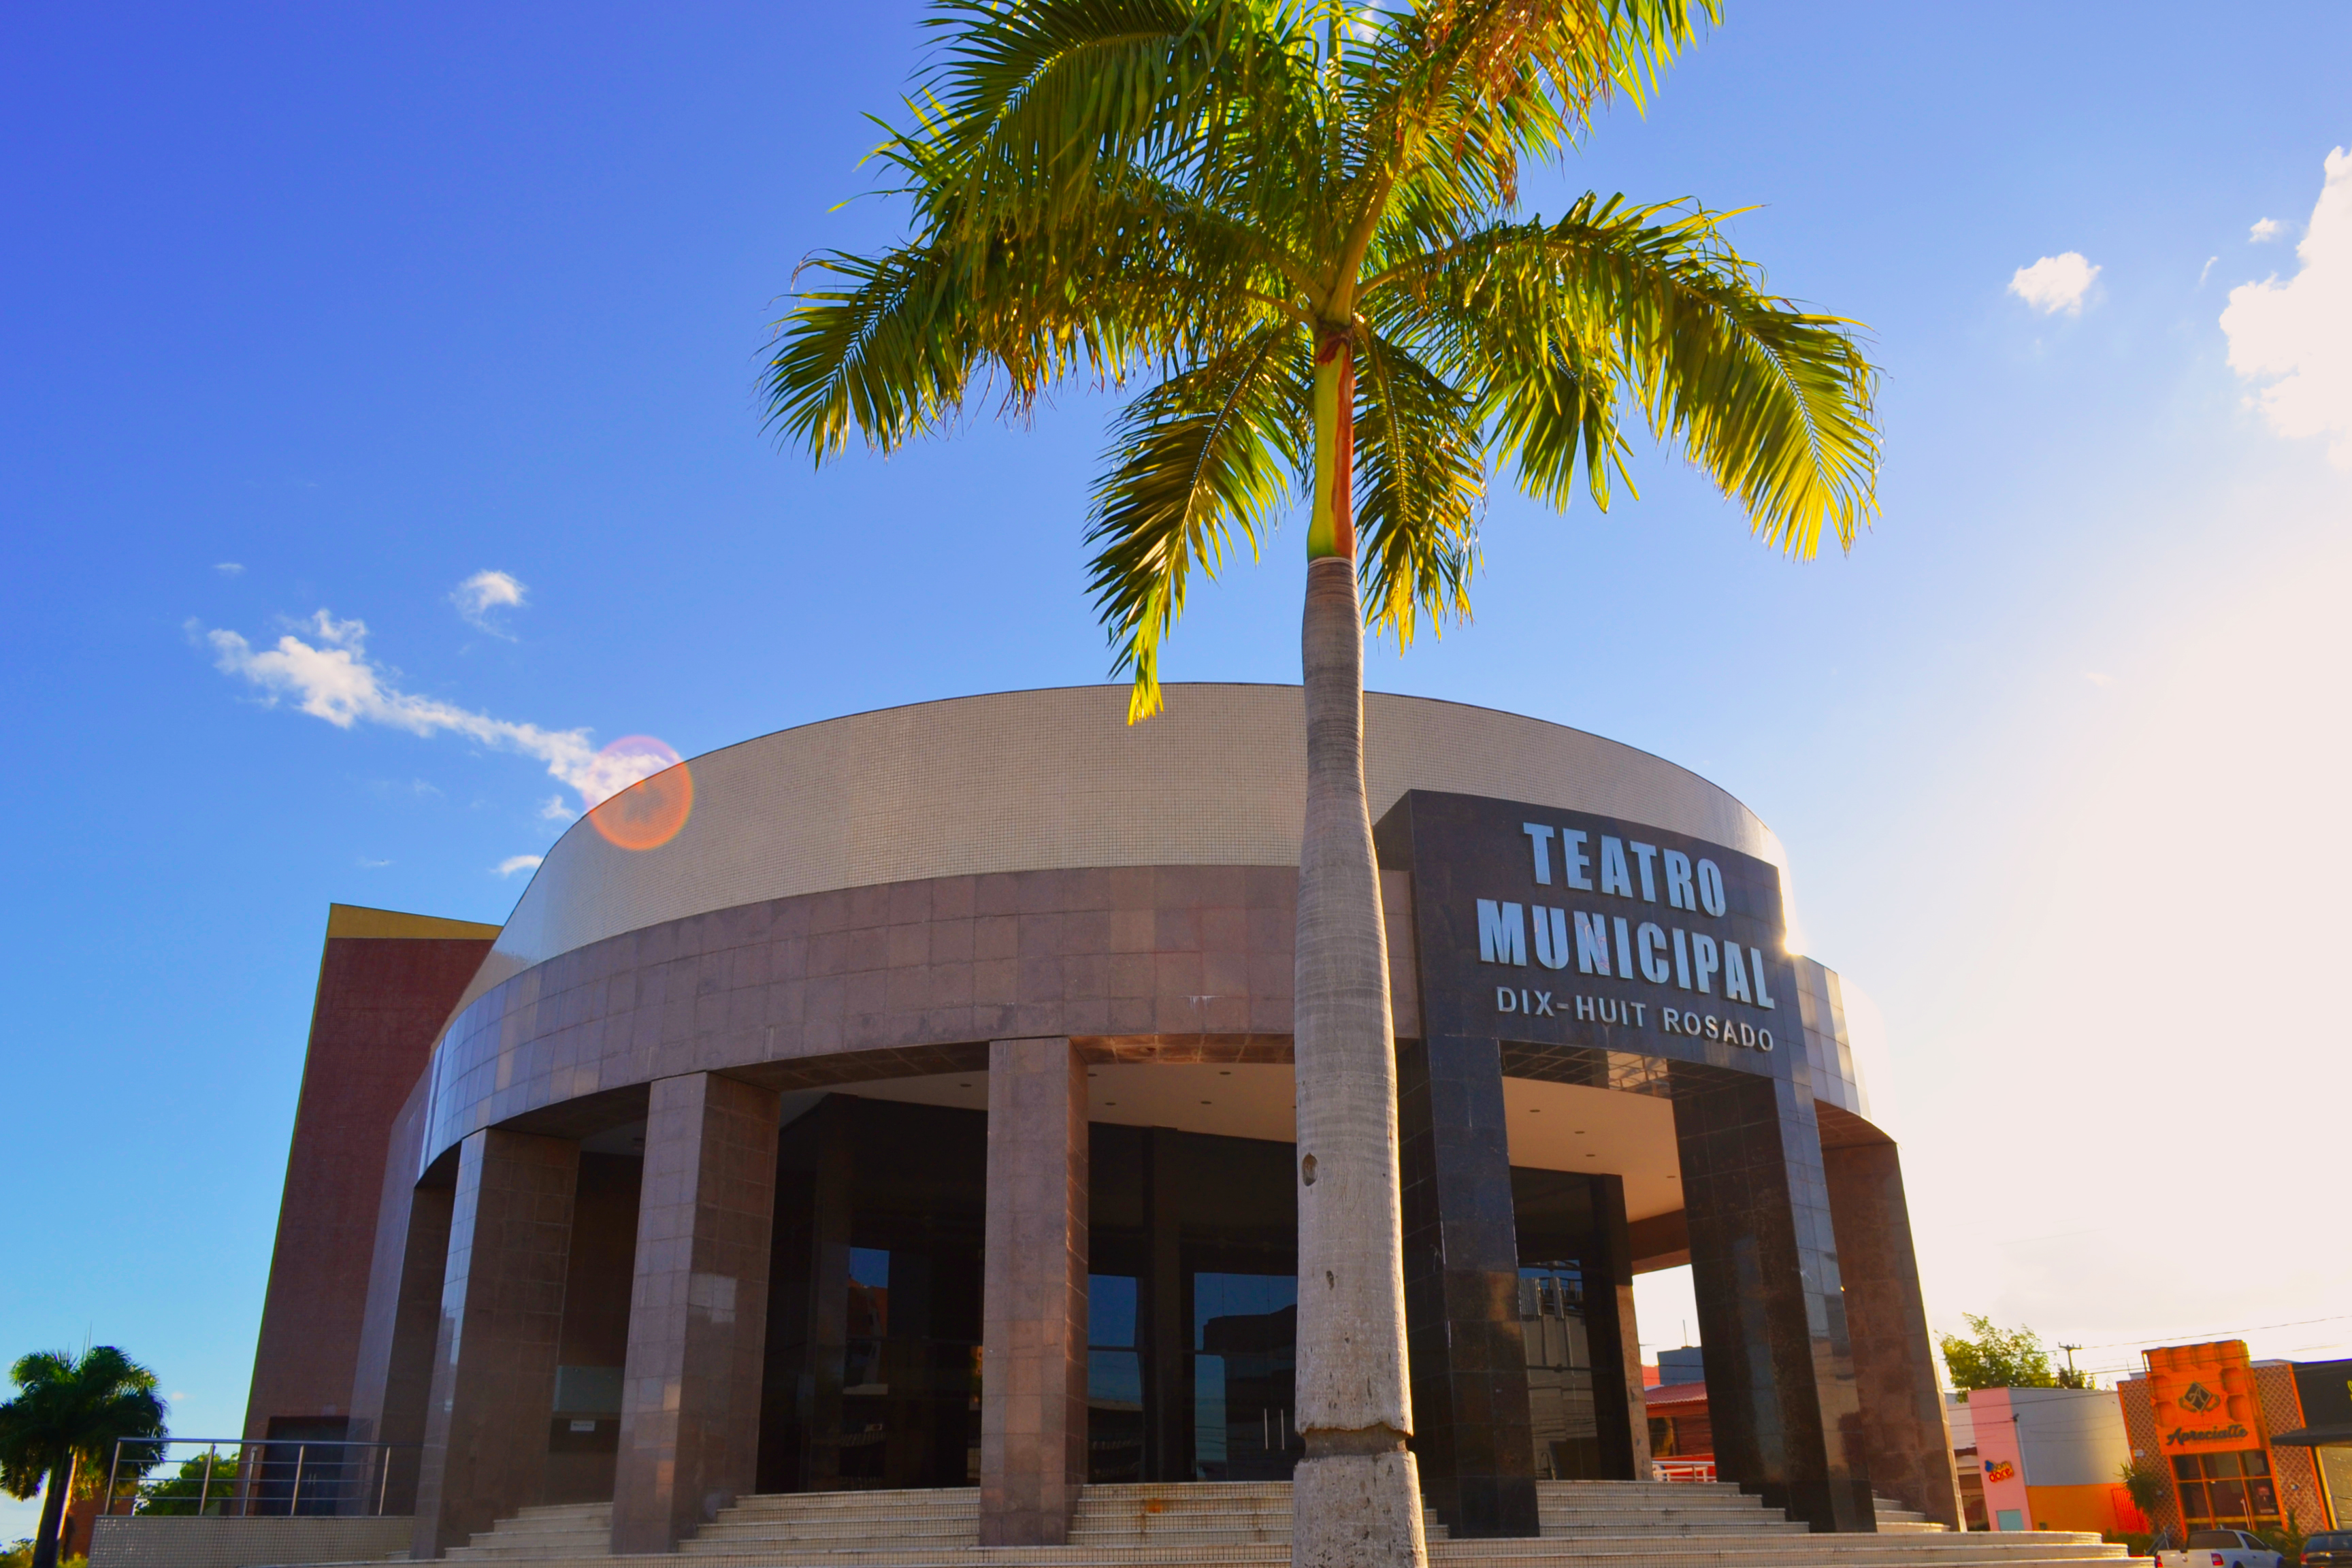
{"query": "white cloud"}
{"type": "Point", "coordinates": [2264, 230]}
{"type": "Point", "coordinates": [2297, 334]}
{"type": "Point", "coordinates": [2098, 677]}
{"type": "Point", "coordinates": [229, 568]}
{"type": "Point", "coordinates": [555, 808]}
{"type": "Point", "coordinates": [334, 680]}
{"type": "Point", "coordinates": [486, 591]}
{"type": "Point", "coordinates": [2205, 272]}
{"type": "Point", "coordinates": [2055, 283]}
{"type": "Point", "coordinates": [513, 863]}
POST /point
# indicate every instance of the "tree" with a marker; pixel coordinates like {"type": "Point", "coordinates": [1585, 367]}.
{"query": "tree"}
{"type": "Point", "coordinates": [1991, 1357]}
{"type": "Point", "coordinates": [1300, 224]}
{"type": "Point", "coordinates": [206, 1483]}
{"type": "Point", "coordinates": [2148, 1486]}
{"type": "Point", "coordinates": [70, 1410]}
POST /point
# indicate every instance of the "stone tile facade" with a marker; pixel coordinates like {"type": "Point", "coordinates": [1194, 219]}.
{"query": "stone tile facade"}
{"type": "Point", "coordinates": [1032, 1406]}
{"type": "Point", "coordinates": [1154, 954]}
{"type": "Point", "coordinates": [1904, 1434]}
{"type": "Point", "coordinates": [1771, 1311]}
{"type": "Point", "coordinates": [502, 1324]}
{"type": "Point", "coordinates": [386, 984]}
{"type": "Point", "coordinates": [157, 1541]}
{"type": "Point", "coordinates": [1475, 1451]}
{"type": "Point", "coordinates": [698, 1310]}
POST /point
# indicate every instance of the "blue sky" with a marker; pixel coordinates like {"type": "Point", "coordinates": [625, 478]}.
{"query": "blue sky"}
{"type": "Point", "coordinates": [333, 310]}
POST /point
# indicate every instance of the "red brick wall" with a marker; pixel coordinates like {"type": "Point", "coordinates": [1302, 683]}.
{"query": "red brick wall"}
{"type": "Point", "coordinates": [381, 1000]}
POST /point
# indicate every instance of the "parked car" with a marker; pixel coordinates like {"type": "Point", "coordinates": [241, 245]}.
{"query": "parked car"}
{"type": "Point", "coordinates": [2329, 1548]}
{"type": "Point", "coordinates": [2221, 1549]}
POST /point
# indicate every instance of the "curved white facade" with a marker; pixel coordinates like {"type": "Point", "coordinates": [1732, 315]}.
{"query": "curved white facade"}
{"type": "Point", "coordinates": [1057, 778]}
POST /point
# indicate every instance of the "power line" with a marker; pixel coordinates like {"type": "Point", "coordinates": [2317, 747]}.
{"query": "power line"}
{"type": "Point", "coordinates": [2200, 1334]}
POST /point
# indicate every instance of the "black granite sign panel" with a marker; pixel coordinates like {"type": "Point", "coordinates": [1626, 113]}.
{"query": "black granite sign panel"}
{"type": "Point", "coordinates": [1592, 950]}
{"type": "Point", "coordinates": [1563, 928]}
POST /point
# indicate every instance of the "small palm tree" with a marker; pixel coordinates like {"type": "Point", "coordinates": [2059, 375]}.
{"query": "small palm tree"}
{"type": "Point", "coordinates": [70, 1410]}
{"type": "Point", "coordinates": [1300, 224]}
{"type": "Point", "coordinates": [2148, 1486]}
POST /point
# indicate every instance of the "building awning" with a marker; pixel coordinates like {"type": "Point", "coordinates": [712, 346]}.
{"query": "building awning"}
{"type": "Point", "coordinates": [2316, 1437]}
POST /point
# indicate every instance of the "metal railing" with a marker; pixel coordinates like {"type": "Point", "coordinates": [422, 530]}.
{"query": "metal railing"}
{"type": "Point", "coordinates": [1683, 1469]}
{"type": "Point", "coordinates": [256, 1477]}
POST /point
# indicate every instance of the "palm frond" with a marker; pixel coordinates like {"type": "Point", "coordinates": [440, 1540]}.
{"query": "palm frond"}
{"type": "Point", "coordinates": [1206, 451]}
{"type": "Point", "coordinates": [1557, 320]}
{"type": "Point", "coordinates": [1050, 101]}
{"type": "Point", "coordinates": [888, 355]}
{"type": "Point", "coordinates": [1421, 482]}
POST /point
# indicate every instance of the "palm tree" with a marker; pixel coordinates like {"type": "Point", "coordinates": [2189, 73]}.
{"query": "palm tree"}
{"type": "Point", "coordinates": [70, 1410]}
{"type": "Point", "coordinates": [1300, 224]}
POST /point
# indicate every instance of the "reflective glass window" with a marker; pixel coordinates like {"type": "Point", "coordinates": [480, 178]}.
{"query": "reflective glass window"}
{"type": "Point", "coordinates": [1110, 1311]}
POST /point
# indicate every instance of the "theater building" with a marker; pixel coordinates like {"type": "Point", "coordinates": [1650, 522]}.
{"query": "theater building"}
{"type": "Point", "coordinates": [905, 1100]}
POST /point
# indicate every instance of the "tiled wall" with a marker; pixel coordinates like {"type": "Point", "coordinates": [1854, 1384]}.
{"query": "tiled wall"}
{"type": "Point", "coordinates": [1907, 1442]}
{"type": "Point", "coordinates": [501, 1326]}
{"type": "Point", "coordinates": [381, 1001]}
{"type": "Point", "coordinates": [1032, 1432]}
{"type": "Point", "coordinates": [698, 1310]}
{"type": "Point", "coordinates": [1468, 1361]}
{"type": "Point", "coordinates": [1772, 1307]}
{"type": "Point", "coordinates": [162, 1543]}
{"type": "Point", "coordinates": [1176, 952]}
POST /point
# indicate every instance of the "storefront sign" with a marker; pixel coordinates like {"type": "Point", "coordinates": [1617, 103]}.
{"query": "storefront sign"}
{"type": "Point", "coordinates": [2181, 1437]}
{"type": "Point", "coordinates": [2202, 1397]}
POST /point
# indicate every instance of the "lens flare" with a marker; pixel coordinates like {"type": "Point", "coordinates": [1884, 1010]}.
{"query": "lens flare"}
{"type": "Point", "coordinates": [648, 812]}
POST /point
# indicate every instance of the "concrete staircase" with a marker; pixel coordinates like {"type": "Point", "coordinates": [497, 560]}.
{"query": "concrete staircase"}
{"type": "Point", "coordinates": [543, 1535]}
{"type": "Point", "coordinates": [1585, 1524]}
{"type": "Point", "coordinates": [1894, 1519]}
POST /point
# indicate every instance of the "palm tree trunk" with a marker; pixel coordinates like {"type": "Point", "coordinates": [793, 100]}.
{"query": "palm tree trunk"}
{"type": "Point", "coordinates": [1357, 1494]}
{"type": "Point", "coordinates": [53, 1513]}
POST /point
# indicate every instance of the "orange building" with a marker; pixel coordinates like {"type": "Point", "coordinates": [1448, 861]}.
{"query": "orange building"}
{"type": "Point", "coordinates": [2207, 1413]}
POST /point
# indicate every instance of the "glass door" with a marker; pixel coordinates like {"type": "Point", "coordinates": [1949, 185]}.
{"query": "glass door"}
{"type": "Point", "coordinates": [1244, 1348]}
{"type": "Point", "coordinates": [1565, 1426]}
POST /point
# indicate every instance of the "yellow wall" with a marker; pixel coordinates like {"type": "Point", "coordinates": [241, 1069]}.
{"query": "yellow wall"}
{"type": "Point", "coordinates": [357, 919]}
{"type": "Point", "coordinates": [2072, 1507]}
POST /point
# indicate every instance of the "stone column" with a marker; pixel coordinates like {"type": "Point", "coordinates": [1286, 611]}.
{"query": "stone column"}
{"type": "Point", "coordinates": [1033, 1390]}
{"type": "Point", "coordinates": [1903, 1423]}
{"type": "Point", "coordinates": [1168, 1397]}
{"type": "Point", "coordinates": [1617, 1404]}
{"type": "Point", "coordinates": [808, 1306]}
{"type": "Point", "coordinates": [1779, 1373]}
{"type": "Point", "coordinates": [486, 1423]}
{"type": "Point", "coordinates": [397, 1355]}
{"type": "Point", "coordinates": [698, 1310]}
{"type": "Point", "coordinates": [1472, 1434]}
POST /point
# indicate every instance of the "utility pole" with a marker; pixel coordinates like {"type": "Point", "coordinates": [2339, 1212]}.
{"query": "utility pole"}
{"type": "Point", "coordinates": [2070, 1351]}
